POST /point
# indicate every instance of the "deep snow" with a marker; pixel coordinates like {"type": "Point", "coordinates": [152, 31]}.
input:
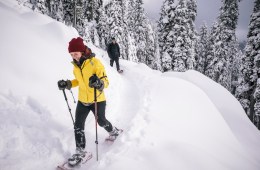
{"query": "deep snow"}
{"type": "Point", "coordinates": [172, 120]}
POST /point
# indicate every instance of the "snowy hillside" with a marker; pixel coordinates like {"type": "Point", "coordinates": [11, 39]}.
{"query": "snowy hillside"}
{"type": "Point", "coordinates": [171, 120]}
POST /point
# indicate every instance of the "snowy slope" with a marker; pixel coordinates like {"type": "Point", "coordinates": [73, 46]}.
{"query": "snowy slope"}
{"type": "Point", "coordinates": [172, 120]}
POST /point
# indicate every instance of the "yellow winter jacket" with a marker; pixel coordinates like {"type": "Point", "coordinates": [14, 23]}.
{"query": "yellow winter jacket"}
{"type": "Point", "coordinates": [88, 68]}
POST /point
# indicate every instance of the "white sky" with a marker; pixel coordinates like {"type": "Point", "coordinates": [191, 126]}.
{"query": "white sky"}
{"type": "Point", "coordinates": [208, 10]}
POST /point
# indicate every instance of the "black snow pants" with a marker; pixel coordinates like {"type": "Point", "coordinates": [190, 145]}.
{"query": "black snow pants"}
{"type": "Point", "coordinates": [115, 59]}
{"type": "Point", "coordinates": [82, 112]}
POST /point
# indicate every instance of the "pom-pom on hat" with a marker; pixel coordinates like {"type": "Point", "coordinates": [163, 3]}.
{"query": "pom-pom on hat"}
{"type": "Point", "coordinates": [76, 45]}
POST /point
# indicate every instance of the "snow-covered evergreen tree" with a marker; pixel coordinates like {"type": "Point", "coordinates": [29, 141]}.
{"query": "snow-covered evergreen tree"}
{"type": "Point", "coordinates": [177, 34]}
{"type": "Point", "coordinates": [80, 16]}
{"type": "Point", "coordinates": [210, 57]}
{"type": "Point", "coordinates": [150, 46]}
{"type": "Point", "coordinates": [129, 20]}
{"type": "Point", "coordinates": [39, 6]}
{"type": "Point", "coordinates": [93, 11]}
{"type": "Point", "coordinates": [131, 51]}
{"type": "Point", "coordinates": [56, 9]}
{"type": "Point", "coordinates": [157, 63]}
{"type": "Point", "coordinates": [114, 21]}
{"type": "Point", "coordinates": [235, 72]}
{"type": "Point", "coordinates": [202, 48]}
{"type": "Point", "coordinates": [94, 34]}
{"type": "Point", "coordinates": [257, 104]}
{"type": "Point", "coordinates": [140, 30]}
{"type": "Point", "coordinates": [247, 91]}
{"type": "Point", "coordinates": [183, 52]}
{"type": "Point", "coordinates": [245, 88]}
{"type": "Point", "coordinates": [192, 13]}
{"type": "Point", "coordinates": [68, 12]}
{"type": "Point", "coordinates": [131, 16]}
{"type": "Point", "coordinates": [103, 29]}
{"type": "Point", "coordinates": [166, 62]}
{"type": "Point", "coordinates": [127, 39]}
{"type": "Point", "coordinates": [225, 44]}
{"type": "Point", "coordinates": [192, 6]}
{"type": "Point", "coordinates": [165, 33]}
{"type": "Point", "coordinates": [254, 34]}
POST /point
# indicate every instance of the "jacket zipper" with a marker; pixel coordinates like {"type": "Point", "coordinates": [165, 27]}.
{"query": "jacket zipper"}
{"type": "Point", "coordinates": [81, 68]}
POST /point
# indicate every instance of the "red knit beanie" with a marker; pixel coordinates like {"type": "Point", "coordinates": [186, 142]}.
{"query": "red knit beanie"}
{"type": "Point", "coordinates": [76, 45]}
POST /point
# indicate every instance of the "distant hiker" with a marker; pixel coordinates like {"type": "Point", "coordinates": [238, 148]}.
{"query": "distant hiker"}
{"type": "Point", "coordinates": [89, 73]}
{"type": "Point", "coordinates": [113, 51]}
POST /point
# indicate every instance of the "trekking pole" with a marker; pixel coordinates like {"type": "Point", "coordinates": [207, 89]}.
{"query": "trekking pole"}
{"type": "Point", "coordinates": [96, 117]}
{"type": "Point", "coordinates": [68, 105]}
{"type": "Point", "coordinates": [73, 96]}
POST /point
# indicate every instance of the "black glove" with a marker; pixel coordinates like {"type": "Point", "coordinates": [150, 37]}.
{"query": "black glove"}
{"type": "Point", "coordinates": [62, 84]}
{"type": "Point", "coordinates": [95, 82]}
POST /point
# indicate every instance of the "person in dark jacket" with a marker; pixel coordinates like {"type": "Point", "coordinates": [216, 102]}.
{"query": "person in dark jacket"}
{"type": "Point", "coordinates": [113, 51]}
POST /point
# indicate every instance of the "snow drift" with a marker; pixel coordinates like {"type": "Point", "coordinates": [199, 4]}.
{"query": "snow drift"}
{"type": "Point", "coordinates": [171, 120]}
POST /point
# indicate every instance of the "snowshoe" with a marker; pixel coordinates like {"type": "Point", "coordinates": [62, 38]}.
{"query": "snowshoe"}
{"type": "Point", "coordinates": [120, 71]}
{"type": "Point", "coordinates": [77, 159]}
{"type": "Point", "coordinates": [114, 134]}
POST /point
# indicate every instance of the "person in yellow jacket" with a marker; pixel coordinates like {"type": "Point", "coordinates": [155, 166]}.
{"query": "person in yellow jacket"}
{"type": "Point", "coordinates": [89, 73]}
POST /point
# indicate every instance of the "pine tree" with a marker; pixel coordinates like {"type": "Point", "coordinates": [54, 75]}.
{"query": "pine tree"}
{"type": "Point", "coordinates": [131, 49]}
{"type": "Point", "coordinates": [127, 39]}
{"type": "Point", "coordinates": [115, 24]}
{"type": "Point", "coordinates": [103, 29]}
{"type": "Point", "coordinates": [257, 104]}
{"type": "Point", "coordinates": [166, 62]}
{"type": "Point", "coordinates": [235, 68]}
{"type": "Point", "coordinates": [253, 50]}
{"type": "Point", "coordinates": [193, 36]}
{"type": "Point", "coordinates": [211, 60]}
{"type": "Point", "coordinates": [114, 14]}
{"type": "Point", "coordinates": [68, 12]}
{"type": "Point", "coordinates": [56, 9]}
{"type": "Point", "coordinates": [243, 91]}
{"type": "Point", "coordinates": [157, 64]}
{"type": "Point", "coordinates": [92, 10]}
{"type": "Point", "coordinates": [150, 46]}
{"type": "Point", "coordinates": [192, 7]}
{"type": "Point", "coordinates": [81, 19]}
{"type": "Point", "coordinates": [248, 89]}
{"type": "Point", "coordinates": [183, 51]}
{"type": "Point", "coordinates": [133, 21]}
{"type": "Point", "coordinates": [202, 49]}
{"type": "Point", "coordinates": [131, 17]}
{"type": "Point", "coordinates": [229, 19]}
{"type": "Point", "coordinates": [39, 6]}
{"type": "Point", "coordinates": [225, 43]}
{"type": "Point", "coordinates": [177, 34]}
{"type": "Point", "coordinates": [166, 37]}
{"type": "Point", "coordinates": [140, 31]}
{"type": "Point", "coordinates": [95, 38]}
